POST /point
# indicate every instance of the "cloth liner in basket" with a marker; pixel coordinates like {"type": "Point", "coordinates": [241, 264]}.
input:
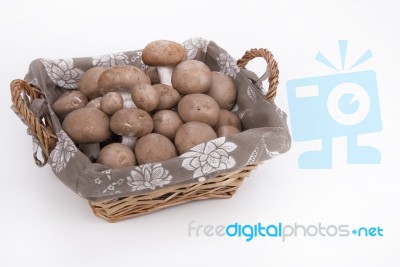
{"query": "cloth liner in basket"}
{"type": "Point", "coordinates": [265, 133]}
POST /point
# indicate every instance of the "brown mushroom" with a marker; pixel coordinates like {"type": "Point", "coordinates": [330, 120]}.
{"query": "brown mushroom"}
{"type": "Point", "coordinates": [121, 79]}
{"type": "Point", "coordinates": [191, 76]}
{"type": "Point", "coordinates": [227, 130]}
{"type": "Point", "coordinates": [145, 96]}
{"type": "Point", "coordinates": [165, 55]}
{"type": "Point", "coordinates": [199, 107]}
{"type": "Point", "coordinates": [94, 103]}
{"type": "Point", "coordinates": [131, 123]}
{"type": "Point", "coordinates": [153, 75]}
{"type": "Point", "coordinates": [154, 147]}
{"type": "Point", "coordinates": [191, 134]}
{"type": "Point", "coordinates": [87, 126]}
{"type": "Point", "coordinates": [111, 103]}
{"type": "Point", "coordinates": [88, 82]}
{"type": "Point", "coordinates": [167, 123]}
{"type": "Point", "coordinates": [223, 90]}
{"type": "Point", "coordinates": [169, 97]}
{"type": "Point", "coordinates": [116, 155]}
{"type": "Point", "coordinates": [227, 117]}
{"type": "Point", "coordinates": [69, 101]}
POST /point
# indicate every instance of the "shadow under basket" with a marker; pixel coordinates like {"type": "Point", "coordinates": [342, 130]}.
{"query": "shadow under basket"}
{"type": "Point", "coordinates": [223, 186]}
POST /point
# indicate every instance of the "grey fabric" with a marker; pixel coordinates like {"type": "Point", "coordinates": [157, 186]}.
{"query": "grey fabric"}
{"type": "Point", "coordinates": [265, 134]}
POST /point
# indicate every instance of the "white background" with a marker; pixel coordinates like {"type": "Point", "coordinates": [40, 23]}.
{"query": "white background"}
{"type": "Point", "coordinates": [44, 223]}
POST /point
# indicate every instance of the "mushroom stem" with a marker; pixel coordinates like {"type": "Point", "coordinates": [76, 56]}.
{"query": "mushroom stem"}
{"type": "Point", "coordinates": [128, 103]}
{"type": "Point", "coordinates": [165, 74]}
{"type": "Point", "coordinates": [90, 150]}
{"type": "Point", "coordinates": [129, 141]}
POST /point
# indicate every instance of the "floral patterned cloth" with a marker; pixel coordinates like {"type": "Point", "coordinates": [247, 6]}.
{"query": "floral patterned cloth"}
{"type": "Point", "coordinates": [265, 134]}
{"type": "Point", "coordinates": [209, 157]}
{"type": "Point", "coordinates": [62, 72]}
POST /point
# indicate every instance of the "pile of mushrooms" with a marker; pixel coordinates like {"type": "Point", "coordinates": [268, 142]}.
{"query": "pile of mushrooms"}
{"type": "Point", "coordinates": [122, 116]}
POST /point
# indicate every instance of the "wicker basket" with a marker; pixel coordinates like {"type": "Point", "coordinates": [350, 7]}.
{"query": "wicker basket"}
{"type": "Point", "coordinates": [116, 209]}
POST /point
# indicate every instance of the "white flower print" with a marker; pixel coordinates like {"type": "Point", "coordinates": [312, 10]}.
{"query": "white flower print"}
{"type": "Point", "coordinates": [227, 64]}
{"type": "Point", "coordinates": [261, 152]}
{"type": "Point", "coordinates": [210, 157]}
{"type": "Point", "coordinates": [110, 60]}
{"type": "Point", "coordinates": [193, 45]}
{"type": "Point", "coordinates": [111, 187]}
{"type": "Point", "coordinates": [137, 60]}
{"type": "Point", "coordinates": [252, 95]}
{"type": "Point", "coordinates": [62, 153]}
{"type": "Point", "coordinates": [242, 114]}
{"type": "Point", "coordinates": [148, 176]}
{"type": "Point", "coordinates": [62, 72]}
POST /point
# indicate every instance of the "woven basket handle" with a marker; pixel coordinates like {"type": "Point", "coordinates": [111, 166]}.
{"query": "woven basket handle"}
{"type": "Point", "coordinates": [272, 69]}
{"type": "Point", "coordinates": [24, 96]}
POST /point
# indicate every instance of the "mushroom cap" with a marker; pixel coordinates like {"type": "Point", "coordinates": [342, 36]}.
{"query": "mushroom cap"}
{"type": "Point", "coordinates": [152, 72]}
{"type": "Point", "coordinates": [191, 76]}
{"type": "Point", "coordinates": [223, 90]}
{"type": "Point", "coordinates": [69, 101]}
{"type": "Point", "coordinates": [111, 103]}
{"type": "Point", "coordinates": [227, 117]}
{"type": "Point", "coordinates": [191, 134]}
{"type": "Point", "coordinates": [199, 107]}
{"type": "Point", "coordinates": [169, 97]}
{"type": "Point", "coordinates": [167, 123]}
{"type": "Point", "coordinates": [132, 122]}
{"type": "Point", "coordinates": [94, 103]}
{"type": "Point", "coordinates": [87, 125]}
{"type": "Point", "coordinates": [163, 53]}
{"type": "Point", "coordinates": [89, 81]}
{"type": "Point", "coordinates": [227, 130]}
{"type": "Point", "coordinates": [145, 96]}
{"type": "Point", "coordinates": [154, 147]}
{"type": "Point", "coordinates": [121, 78]}
{"type": "Point", "coordinates": [116, 155]}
